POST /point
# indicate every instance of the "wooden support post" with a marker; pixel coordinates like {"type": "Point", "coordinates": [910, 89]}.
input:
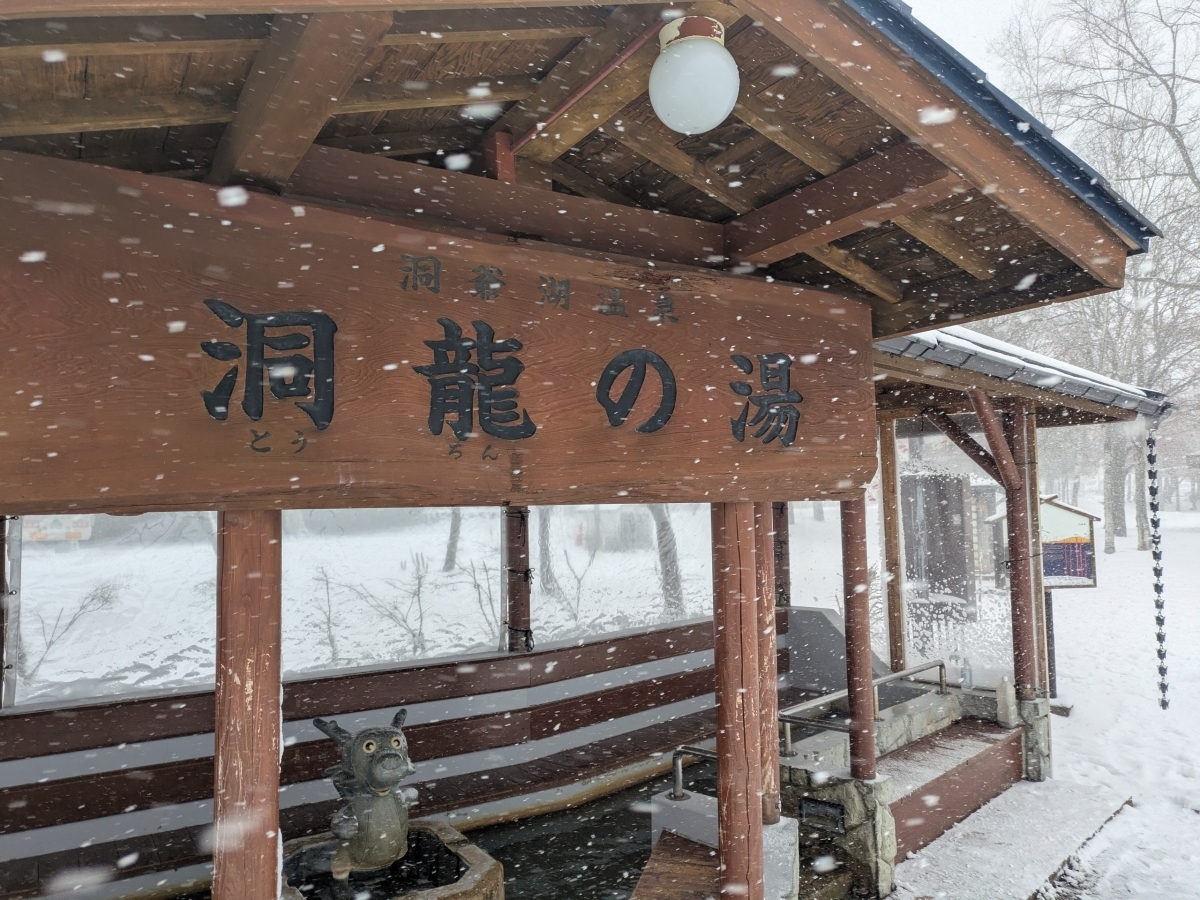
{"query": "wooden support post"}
{"type": "Point", "coordinates": [859, 674]}
{"type": "Point", "coordinates": [893, 548]}
{"type": "Point", "coordinates": [1019, 547]}
{"type": "Point", "coordinates": [783, 554]}
{"type": "Point", "coordinates": [739, 756]}
{"type": "Point", "coordinates": [246, 840]}
{"type": "Point", "coordinates": [1051, 656]}
{"type": "Point", "coordinates": [517, 578]}
{"type": "Point", "coordinates": [498, 157]}
{"type": "Point", "coordinates": [1033, 484]}
{"type": "Point", "coordinates": [768, 662]}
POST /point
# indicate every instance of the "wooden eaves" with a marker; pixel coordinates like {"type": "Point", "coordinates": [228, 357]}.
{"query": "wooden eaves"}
{"type": "Point", "coordinates": [951, 221]}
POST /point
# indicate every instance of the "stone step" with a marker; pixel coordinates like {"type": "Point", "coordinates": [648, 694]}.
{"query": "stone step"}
{"type": "Point", "coordinates": [944, 777]}
{"type": "Point", "coordinates": [1011, 847]}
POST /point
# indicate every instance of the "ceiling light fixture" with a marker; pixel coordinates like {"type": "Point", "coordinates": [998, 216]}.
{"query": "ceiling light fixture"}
{"type": "Point", "coordinates": [694, 83]}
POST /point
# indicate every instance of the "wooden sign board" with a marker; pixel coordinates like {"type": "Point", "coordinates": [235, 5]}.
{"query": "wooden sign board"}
{"type": "Point", "coordinates": [164, 351]}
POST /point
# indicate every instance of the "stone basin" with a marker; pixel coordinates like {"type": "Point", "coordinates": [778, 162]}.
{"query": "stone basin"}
{"type": "Point", "coordinates": [440, 864]}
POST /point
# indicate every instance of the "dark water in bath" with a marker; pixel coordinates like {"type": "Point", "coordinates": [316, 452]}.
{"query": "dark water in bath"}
{"type": "Point", "coordinates": [593, 852]}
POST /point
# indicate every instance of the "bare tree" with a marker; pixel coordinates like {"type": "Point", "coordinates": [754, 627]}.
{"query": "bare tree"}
{"type": "Point", "coordinates": [546, 577]}
{"type": "Point", "coordinates": [1119, 80]}
{"type": "Point", "coordinates": [100, 597]}
{"type": "Point", "coordinates": [668, 563]}
{"type": "Point", "coordinates": [451, 559]}
{"type": "Point", "coordinates": [326, 610]}
{"type": "Point", "coordinates": [573, 605]}
{"type": "Point", "coordinates": [480, 580]}
{"type": "Point", "coordinates": [408, 617]}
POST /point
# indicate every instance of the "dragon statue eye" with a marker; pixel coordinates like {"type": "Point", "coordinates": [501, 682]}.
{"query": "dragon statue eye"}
{"type": "Point", "coordinates": [396, 742]}
{"type": "Point", "coordinates": [369, 746]}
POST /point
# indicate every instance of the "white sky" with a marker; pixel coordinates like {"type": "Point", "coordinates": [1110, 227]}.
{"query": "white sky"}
{"type": "Point", "coordinates": [968, 25]}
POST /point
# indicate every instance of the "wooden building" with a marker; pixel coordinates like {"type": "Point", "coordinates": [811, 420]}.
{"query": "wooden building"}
{"type": "Point", "coordinates": [473, 223]}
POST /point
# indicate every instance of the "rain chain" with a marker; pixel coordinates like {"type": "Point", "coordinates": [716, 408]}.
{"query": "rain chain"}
{"type": "Point", "coordinates": [1160, 603]}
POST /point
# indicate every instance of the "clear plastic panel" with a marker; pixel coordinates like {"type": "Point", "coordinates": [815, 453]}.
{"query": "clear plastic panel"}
{"type": "Point", "coordinates": [372, 586]}
{"type": "Point", "coordinates": [605, 568]}
{"type": "Point", "coordinates": [112, 605]}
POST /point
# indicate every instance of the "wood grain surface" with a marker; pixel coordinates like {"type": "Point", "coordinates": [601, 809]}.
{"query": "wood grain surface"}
{"type": "Point", "coordinates": [246, 841]}
{"type": "Point", "coordinates": [105, 366]}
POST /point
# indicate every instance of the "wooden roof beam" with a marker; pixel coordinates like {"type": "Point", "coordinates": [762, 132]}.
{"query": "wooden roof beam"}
{"type": "Point", "coordinates": [32, 117]}
{"type": "Point", "coordinates": [408, 143]}
{"type": "Point", "coordinates": [467, 201]}
{"type": "Point", "coordinates": [614, 93]}
{"type": "Point", "coordinates": [924, 372]}
{"type": "Point", "coordinates": [306, 66]}
{"type": "Point", "coordinates": [858, 58]}
{"type": "Point", "coordinates": [657, 148]}
{"type": "Point", "coordinates": [122, 36]}
{"type": "Point", "coordinates": [59, 9]}
{"type": "Point", "coordinates": [850, 266]}
{"type": "Point", "coordinates": [469, 26]}
{"type": "Point", "coordinates": [818, 156]}
{"type": "Point", "coordinates": [861, 196]}
{"type": "Point", "coordinates": [586, 186]}
{"type": "Point", "coordinates": [387, 96]}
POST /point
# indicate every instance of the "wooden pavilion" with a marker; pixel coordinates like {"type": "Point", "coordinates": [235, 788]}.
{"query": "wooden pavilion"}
{"type": "Point", "coordinates": [411, 183]}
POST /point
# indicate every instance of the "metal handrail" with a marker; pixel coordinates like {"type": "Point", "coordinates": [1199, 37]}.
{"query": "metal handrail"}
{"type": "Point", "coordinates": [677, 792]}
{"type": "Point", "coordinates": [792, 716]}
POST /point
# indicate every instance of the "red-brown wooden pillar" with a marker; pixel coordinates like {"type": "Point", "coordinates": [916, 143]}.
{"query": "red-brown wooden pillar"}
{"type": "Point", "coordinates": [859, 675]}
{"type": "Point", "coordinates": [739, 754]}
{"type": "Point", "coordinates": [246, 841]}
{"type": "Point", "coordinates": [517, 578]}
{"type": "Point", "coordinates": [1019, 552]}
{"type": "Point", "coordinates": [893, 548]}
{"type": "Point", "coordinates": [768, 662]}
{"type": "Point", "coordinates": [783, 554]}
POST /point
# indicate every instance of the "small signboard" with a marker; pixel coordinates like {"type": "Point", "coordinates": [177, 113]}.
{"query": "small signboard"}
{"type": "Point", "coordinates": [1068, 545]}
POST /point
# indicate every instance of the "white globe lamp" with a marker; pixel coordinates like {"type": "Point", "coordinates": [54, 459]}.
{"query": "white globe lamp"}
{"type": "Point", "coordinates": [694, 82]}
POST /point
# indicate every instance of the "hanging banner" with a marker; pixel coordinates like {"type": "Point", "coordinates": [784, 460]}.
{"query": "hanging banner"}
{"type": "Point", "coordinates": [170, 346]}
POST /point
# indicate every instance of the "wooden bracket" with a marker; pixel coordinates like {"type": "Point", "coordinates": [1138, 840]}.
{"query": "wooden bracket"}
{"type": "Point", "coordinates": [993, 430]}
{"type": "Point", "coordinates": [967, 444]}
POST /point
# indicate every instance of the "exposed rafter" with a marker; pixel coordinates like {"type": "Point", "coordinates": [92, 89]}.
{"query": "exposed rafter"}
{"type": "Point", "coordinates": [299, 75]}
{"type": "Point", "coordinates": [920, 224]}
{"type": "Point", "coordinates": [857, 197]}
{"type": "Point", "coordinates": [586, 186]}
{"type": "Point", "coordinates": [408, 143]}
{"type": "Point", "coordinates": [859, 59]}
{"type": "Point", "coordinates": [614, 93]}
{"type": "Point", "coordinates": [850, 266]}
{"type": "Point", "coordinates": [367, 97]}
{"type": "Point", "coordinates": [115, 113]}
{"type": "Point", "coordinates": [652, 145]}
{"type": "Point", "coordinates": [123, 36]}
{"type": "Point", "coordinates": [466, 26]}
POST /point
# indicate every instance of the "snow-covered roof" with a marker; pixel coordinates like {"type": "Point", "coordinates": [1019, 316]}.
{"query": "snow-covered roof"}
{"type": "Point", "coordinates": [894, 19]}
{"type": "Point", "coordinates": [960, 348]}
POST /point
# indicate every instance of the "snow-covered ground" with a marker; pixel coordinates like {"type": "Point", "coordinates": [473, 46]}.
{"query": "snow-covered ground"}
{"type": "Point", "coordinates": [1117, 736]}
